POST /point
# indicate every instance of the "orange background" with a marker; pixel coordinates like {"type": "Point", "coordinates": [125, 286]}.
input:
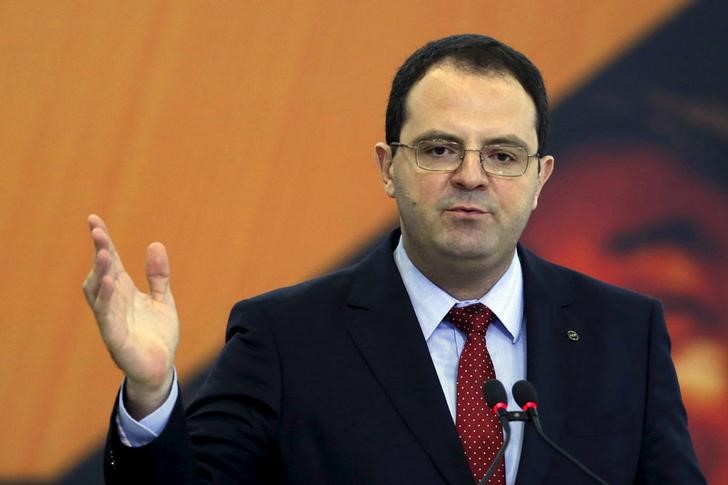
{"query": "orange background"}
{"type": "Point", "coordinates": [239, 133]}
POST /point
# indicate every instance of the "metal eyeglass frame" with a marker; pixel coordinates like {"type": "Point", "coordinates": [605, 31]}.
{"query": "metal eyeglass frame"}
{"type": "Point", "coordinates": [462, 158]}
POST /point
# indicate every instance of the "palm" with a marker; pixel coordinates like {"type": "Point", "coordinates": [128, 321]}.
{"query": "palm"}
{"type": "Point", "coordinates": [140, 332]}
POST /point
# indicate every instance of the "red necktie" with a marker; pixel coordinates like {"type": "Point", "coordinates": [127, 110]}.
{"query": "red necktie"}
{"type": "Point", "coordinates": [478, 428]}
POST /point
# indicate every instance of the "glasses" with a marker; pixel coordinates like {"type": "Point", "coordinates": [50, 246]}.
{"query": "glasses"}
{"type": "Point", "coordinates": [447, 156]}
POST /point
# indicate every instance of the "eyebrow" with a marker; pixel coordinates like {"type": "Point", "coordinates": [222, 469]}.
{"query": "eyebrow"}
{"type": "Point", "coordinates": [442, 135]}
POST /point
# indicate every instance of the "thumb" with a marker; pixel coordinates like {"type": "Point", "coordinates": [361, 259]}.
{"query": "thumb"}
{"type": "Point", "coordinates": [157, 271]}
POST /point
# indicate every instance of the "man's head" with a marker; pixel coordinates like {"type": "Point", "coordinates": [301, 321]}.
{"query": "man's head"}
{"type": "Point", "coordinates": [463, 219]}
{"type": "Point", "coordinates": [469, 52]}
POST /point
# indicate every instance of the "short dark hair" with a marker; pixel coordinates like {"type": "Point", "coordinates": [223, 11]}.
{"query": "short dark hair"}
{"type": "Point", "coordinates": [471, 52]}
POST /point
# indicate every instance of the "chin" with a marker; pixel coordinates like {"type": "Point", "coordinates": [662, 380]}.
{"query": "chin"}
{"type": "Point", "coordinates": [480, 248]}
{"type": "Point", "coordinates": [466, 250]}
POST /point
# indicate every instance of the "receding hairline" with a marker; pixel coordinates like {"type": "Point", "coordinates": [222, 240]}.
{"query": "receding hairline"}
{"type": "Point", "coordinates": [467, 67]}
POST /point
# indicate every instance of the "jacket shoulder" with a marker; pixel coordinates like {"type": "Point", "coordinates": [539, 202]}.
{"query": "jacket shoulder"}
{"type": "Point", "coordinates": [563, 280]}
{"type": "Point", "coordinates": [329, 295]}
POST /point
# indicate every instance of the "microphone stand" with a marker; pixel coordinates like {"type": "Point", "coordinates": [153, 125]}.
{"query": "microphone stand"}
{"type": "Point", "coordinates": [503, 416]}
{"type": "Point", "coordinates": [533, 417]}
{"type": "Point", "coordinates": [530, 415]}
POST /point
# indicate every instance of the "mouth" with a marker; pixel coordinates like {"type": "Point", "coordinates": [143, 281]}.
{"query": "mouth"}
{"type": "Point", "coordinates": [465, 210]}
{"type": "Point", "coordinates": [466, 213]}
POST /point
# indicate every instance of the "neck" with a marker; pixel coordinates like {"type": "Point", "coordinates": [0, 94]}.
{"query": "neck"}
{"type": "Point", "coordinates": [462, 278]}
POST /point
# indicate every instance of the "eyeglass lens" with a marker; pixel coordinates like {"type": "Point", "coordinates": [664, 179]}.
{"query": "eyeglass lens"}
{"type": "Point", "coordinates": [442, 155]}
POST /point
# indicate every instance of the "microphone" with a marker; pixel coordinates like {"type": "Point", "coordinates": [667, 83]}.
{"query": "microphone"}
{"type": "Point", "coordinates": [525, 395]}
{"type": "Point", "coordinates": [496, 399]}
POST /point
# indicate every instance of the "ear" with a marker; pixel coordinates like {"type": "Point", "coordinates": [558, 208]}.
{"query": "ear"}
{"type": "Point", "coordinates": [547, 167]}
{"type": "Point", "coordinates": [383, 154]}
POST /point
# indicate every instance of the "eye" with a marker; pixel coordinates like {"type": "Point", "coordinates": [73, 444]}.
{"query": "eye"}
{"type": "Point", "coordinates": [439, 148]}
{"type": "Point", "coordinates": [504, 155]}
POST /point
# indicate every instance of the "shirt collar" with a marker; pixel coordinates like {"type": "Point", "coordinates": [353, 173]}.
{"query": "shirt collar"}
{"type": "Point", "coordinates": [431, 303]}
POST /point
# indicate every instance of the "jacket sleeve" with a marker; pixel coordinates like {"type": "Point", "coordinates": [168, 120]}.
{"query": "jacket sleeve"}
{"type": "Point", "coordinates": [667, 455]}
{"type": "Point", "coordinates": [227, 434]}
{"type": "Point", "coordinates": [167, 459]}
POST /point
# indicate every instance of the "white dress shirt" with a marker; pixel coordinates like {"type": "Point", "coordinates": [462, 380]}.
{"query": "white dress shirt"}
{"type": "Point", "coordinates": [505, 339]}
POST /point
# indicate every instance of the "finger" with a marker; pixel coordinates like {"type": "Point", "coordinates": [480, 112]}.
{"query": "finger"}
{"type": "Point", "coordinates": [98, 227]}
{"type": "Point", "coordinates": [95, 221]}
{"type": "Point", "coordinates": [103, 297]}
{"type": "Point", "coordinates": [102, 240]}
{"type": "Point", "coordinates": [101, 267]}
{"type": "Point", "coordinates": [102, 264]}
{"type": "Point", "coordinates": [158, 271]}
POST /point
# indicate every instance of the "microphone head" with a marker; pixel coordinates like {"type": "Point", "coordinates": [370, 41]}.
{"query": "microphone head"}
{"type": "Point", "coordinates": [494, 393]}
{"type": "Point", "coordinates": [524, 392]}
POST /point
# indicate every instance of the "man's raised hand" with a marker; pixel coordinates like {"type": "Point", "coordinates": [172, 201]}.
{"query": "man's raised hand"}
{"type": "Point", "coordinates": [140, 330]}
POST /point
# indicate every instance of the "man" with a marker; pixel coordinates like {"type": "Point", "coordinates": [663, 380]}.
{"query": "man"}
{"type": "Point", "coordinates": [373, 374]}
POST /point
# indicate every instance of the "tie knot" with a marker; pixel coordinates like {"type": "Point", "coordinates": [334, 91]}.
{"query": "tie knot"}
{"type": "Point", "coordinates": [471, 319]}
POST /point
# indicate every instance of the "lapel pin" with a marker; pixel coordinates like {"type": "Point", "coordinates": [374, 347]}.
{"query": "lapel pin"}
{"type": "Point", "coordinates": [572, 335]}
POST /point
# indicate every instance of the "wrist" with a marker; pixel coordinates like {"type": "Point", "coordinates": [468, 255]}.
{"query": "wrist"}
{"type": "Point", "coordinates": [142, 399]}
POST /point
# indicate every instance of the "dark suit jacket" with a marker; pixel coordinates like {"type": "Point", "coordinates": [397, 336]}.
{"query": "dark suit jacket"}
{"type": "Point", "coordinates": [331, 382]}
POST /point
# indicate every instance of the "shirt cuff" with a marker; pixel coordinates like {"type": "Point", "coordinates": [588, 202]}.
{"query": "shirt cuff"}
{"type": "Point", "coordinates": [135, 433]}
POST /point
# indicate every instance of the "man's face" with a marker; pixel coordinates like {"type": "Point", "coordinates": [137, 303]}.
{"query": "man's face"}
{"type": "Point", "coordinates": [467, 215]}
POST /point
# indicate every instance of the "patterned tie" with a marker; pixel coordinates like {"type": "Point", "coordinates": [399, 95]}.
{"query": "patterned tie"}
{"type": "Point", "coordinates": [479, 429]}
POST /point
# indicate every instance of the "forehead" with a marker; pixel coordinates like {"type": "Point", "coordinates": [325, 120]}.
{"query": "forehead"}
{"type": "Point", "coordinates": [471, 105]}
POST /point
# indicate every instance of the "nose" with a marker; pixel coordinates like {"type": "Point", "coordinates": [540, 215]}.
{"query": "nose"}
{"type": "Point", "coordinates": [470, 175]}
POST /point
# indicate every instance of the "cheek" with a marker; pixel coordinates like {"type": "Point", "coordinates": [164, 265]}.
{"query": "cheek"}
{"type": "Point", "coordinates": [517, 199]}
{"type": "Point", "coordinates": [420, 192]}
{"type": "Point", "coordinates": [408, 199]}
{"type": "Point", "coordinates": [412, 189]}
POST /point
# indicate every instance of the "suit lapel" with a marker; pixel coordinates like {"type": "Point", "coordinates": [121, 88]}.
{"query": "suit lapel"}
{"type": "Point", "coordinates": [546, 297]}
{"type": "Point", "coordinates": [384, 328]}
